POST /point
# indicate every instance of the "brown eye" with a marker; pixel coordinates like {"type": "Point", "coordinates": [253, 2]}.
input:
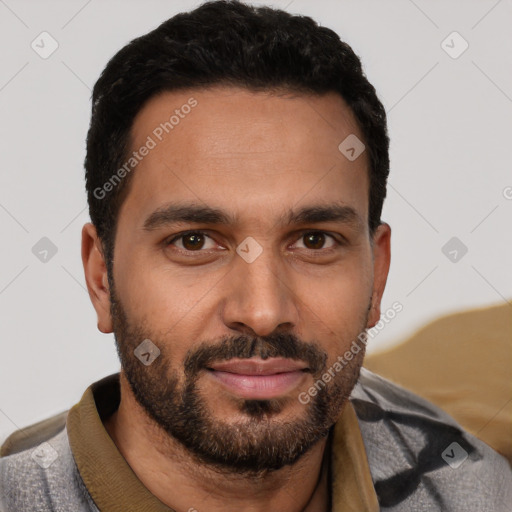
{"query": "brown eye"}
{"type": "Point", "coordinates": [317, 241]}
{"type": "Point", "coordinates": [314, 240]}
{"type": "Point", "coordinates": [193, 241]}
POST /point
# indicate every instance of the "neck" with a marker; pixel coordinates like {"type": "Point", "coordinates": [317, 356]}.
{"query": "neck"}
{"type": "Point", "coordinates": [183, 483]}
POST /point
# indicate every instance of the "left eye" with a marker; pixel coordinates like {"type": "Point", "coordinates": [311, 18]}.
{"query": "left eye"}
{"type": "Point", "coordinates": [316, 240]}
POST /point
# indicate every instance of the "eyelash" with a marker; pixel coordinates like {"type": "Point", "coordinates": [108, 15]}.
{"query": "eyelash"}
{"type": "Point", "coordinates": [204, 233]}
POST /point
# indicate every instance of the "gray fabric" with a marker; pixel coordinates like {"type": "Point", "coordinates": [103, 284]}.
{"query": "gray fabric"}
{"type": "Point", "coordinates": [404, 435]}
{"type": "Point", "coordinates": [25, 438]}
{"type": "Point", "coordinates": [43, 479]}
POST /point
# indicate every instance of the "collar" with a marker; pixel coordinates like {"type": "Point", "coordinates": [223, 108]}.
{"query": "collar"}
{"type": "Point", "coordinates": [97, 456]}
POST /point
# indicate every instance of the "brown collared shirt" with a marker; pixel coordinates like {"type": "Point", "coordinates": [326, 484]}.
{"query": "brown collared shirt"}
{"type": "Point", "coordinates": [390, 450]}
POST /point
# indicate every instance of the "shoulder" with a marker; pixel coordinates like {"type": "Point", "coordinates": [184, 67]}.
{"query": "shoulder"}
{"type": "Point", "coordinates": [42, 476]}
{"type": "Point", "coordinates": [420, 457]}
{"type": "Point", "coordinates": [33, 435]}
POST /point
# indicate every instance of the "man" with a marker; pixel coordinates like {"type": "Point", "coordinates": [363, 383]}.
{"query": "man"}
{"type": "Point", "coordinates": [236, 169]}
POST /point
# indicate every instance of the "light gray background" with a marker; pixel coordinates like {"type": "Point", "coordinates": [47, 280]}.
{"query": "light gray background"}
{"type": "Point", "coordinates": [450, 123]}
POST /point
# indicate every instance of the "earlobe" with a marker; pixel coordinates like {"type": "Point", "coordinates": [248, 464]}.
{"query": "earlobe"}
{"type": "Point", "coordinates": [96, 276]}
{"type": "Point", "coordinates": [381, 262]}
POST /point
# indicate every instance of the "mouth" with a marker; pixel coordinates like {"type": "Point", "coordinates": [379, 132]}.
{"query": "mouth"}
{"type": "Point", "coordinates": [259, 379]}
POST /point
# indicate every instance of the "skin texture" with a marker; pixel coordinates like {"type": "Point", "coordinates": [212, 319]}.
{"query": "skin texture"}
{"type": "Point", "coordinates": [256, 156]}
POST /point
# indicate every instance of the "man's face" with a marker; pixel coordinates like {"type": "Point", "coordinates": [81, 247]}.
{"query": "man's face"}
{"type": "Point", "coordinates": [243, 253]}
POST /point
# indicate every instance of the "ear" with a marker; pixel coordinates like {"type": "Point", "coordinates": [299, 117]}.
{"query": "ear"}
{"type": "Point", "coordinates": [381, 260]}
{"type": "Point", "coordinates": [96, 276]}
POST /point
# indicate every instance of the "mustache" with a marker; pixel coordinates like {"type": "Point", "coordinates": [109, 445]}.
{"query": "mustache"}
{"type": "Point", "coordinates": [244, 347]}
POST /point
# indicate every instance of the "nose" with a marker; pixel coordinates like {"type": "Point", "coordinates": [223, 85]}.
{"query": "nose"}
{"type": "Point", "coordinates": [260, 298]}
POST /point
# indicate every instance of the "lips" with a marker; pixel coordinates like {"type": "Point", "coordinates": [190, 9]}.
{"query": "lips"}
{"type": "Point", "coordinates": [257, 366]}
{"type": "Point", "coordinates": [257, 378]}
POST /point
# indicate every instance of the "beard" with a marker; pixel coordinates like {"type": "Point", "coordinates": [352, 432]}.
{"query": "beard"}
{"type": "Point", "coordinates": [259, 443]}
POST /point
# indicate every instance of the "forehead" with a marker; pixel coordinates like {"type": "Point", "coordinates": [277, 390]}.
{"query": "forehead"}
{"type": "Point", "coordinates": [245, 151]}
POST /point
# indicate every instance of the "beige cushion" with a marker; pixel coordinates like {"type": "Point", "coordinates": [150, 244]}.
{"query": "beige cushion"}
{"type": "Point", "coordinates": [463, 363]}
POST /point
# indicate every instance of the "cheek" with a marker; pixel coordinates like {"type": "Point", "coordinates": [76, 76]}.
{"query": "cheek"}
{"type": "Point", "coordinates": [341, 297]}
{"type": "Point", "coordinates": [162, 295]}
{"type": "Point", "coordinates": [171, 309]}
{"type": "Point", "coordinates": [337, 307]}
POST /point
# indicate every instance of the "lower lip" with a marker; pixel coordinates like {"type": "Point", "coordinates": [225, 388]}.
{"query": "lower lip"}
{"type": "Point", "coordinates": [259, 387]}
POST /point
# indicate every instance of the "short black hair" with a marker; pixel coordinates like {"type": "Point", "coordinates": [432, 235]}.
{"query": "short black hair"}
{"type": "Point", "coordinates": [223, 42]}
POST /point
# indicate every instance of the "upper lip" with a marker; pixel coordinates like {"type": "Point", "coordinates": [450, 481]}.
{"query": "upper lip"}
{"type": "Point", "coordinates": [257, 366]}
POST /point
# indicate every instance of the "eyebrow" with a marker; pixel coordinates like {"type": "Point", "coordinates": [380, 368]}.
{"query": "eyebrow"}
{"type": "Point", "coordinates": [200, 214]}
